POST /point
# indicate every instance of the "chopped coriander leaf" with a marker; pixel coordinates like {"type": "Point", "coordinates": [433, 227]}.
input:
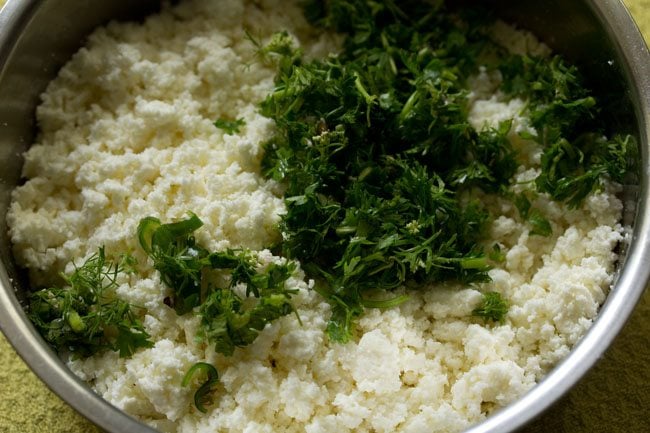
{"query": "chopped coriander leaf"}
{"type": "Point", "coordinates": [85, 317]}
{"type": "Point", "coordinates": [523, 204]}
{"type": "Point", "coordinates": [541, 79]}
{"type": "Point", "coordinates": [572, 170]}
{"type": "Point", "coordinates": [539, 224]}
{"type": "Point", "coordinates": [493, 307]}
{"type": "Point", "coordinates": [230, 126]}
{"type": "Point", "coordinates": [574, 162]}
{"type": "Point", "coordinates": [228, 319]}
{"type": "Point", "coordinates": [228, 322]}
{"type": "Point", "coordinates": [496, 255]}
{"type": "Point", "coordinates": [372, 146]}
{"type": "Point", "coordinates": [177, 257]}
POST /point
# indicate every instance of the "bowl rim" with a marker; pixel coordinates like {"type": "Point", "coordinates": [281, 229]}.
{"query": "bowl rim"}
{"type": "Point", "coordinates": [633, 279]}
{"type": "Point", "coordinates": [15, 325]}
{"type": "Point", "coordinates": [634, 57]}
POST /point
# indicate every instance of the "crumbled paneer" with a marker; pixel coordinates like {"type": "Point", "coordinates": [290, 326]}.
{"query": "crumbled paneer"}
{"type": "Point", "coordinates": [127, 131]}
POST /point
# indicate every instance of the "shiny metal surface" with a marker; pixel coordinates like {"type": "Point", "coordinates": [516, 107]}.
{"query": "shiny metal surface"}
{"type": "Point", "coordinates": [36, 37]}
{"type": "Point", "coordinates": [630, 56]}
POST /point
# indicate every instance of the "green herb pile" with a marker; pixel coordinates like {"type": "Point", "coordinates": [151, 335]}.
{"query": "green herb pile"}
{"type": "Point", "coordinates": [381, 166]}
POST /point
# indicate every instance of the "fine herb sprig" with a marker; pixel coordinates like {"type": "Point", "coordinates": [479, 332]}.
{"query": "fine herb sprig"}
{"type": "Point", "coordinates": [85, 316]}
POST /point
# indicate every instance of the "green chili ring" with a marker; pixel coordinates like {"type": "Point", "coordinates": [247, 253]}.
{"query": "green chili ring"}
{"type": "Point", "coordinates": [202, 392]}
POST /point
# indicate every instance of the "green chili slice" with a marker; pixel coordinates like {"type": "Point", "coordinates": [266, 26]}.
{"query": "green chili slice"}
{"type": "Point", "coordinates": [201, 394]}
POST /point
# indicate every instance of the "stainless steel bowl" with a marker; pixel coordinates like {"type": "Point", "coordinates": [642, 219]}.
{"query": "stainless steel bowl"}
{"type": "Point", "coordinates": [38, 36]}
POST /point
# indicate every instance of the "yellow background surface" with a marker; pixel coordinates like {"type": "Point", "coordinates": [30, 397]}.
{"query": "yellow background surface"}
{"type": "Point", "coordinates": [613, 397]}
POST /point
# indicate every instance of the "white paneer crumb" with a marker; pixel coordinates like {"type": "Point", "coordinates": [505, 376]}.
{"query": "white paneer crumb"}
{"type": "Point", "coordinates": [126, 131]}
{"type": "Point", "coordinates": [518, 41]}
